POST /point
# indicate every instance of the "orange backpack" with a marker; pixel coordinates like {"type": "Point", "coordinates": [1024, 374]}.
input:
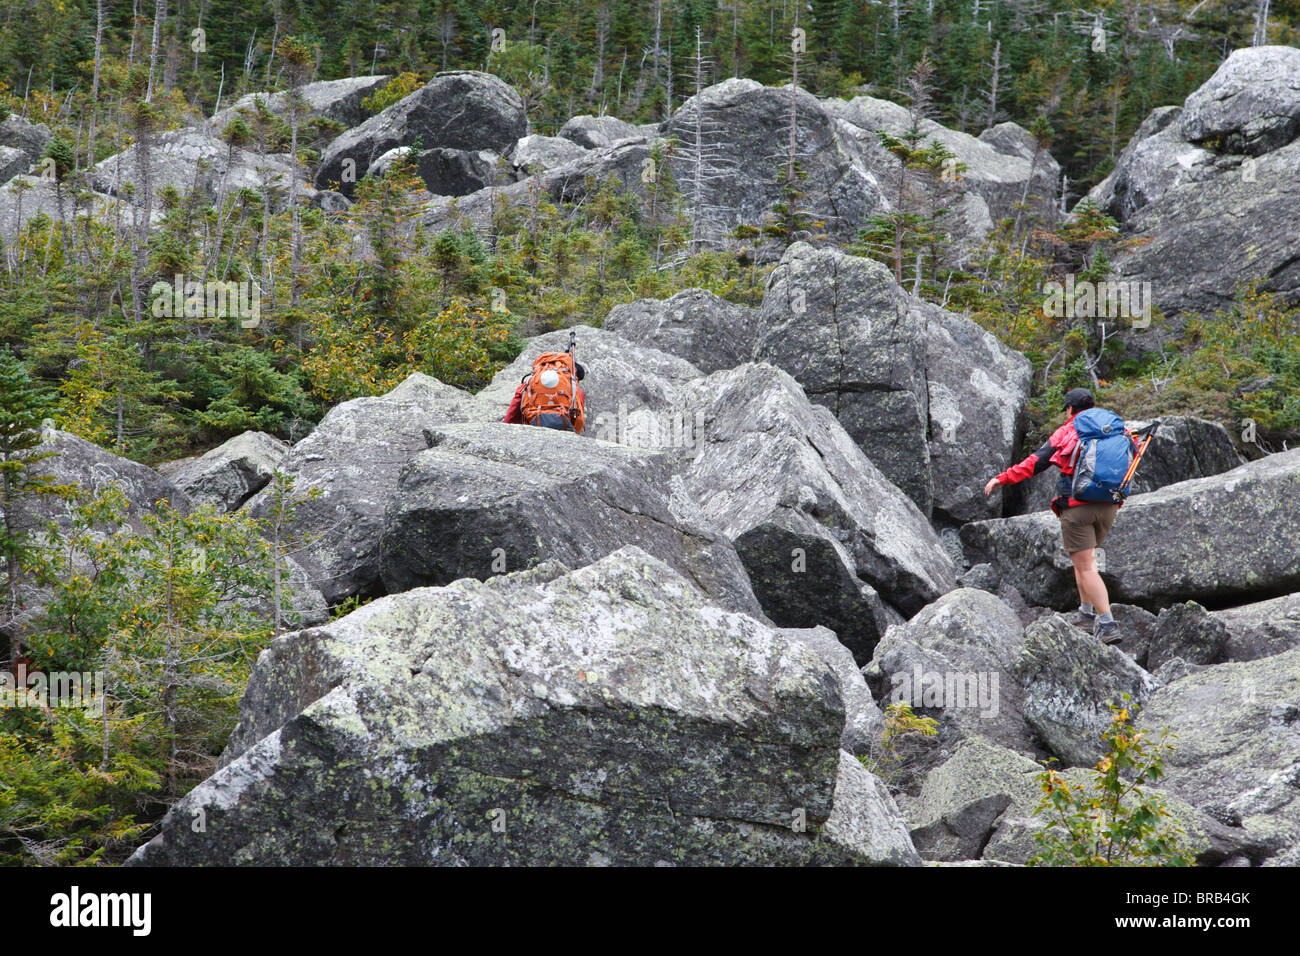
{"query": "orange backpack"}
{"type": "Point", "coordinates": [556, 395]}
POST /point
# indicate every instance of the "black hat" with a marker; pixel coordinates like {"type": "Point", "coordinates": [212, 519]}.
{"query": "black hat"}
{"type": "Point", "coordinates": [1078, 398]}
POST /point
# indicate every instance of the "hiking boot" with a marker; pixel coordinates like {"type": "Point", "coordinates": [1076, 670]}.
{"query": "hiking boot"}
{"type": "Point", "coordinates": [1107, 632]}
{"type": "Point", "coordinates": [1083, 619]}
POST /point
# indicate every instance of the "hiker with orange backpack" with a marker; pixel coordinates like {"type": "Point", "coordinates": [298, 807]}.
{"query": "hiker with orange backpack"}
{"type": "Point", "coordinates": [549, 396]}
{"type": "Point", "coordinates": [1097, 457]}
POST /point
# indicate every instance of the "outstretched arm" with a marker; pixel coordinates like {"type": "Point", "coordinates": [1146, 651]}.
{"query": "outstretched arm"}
{"type": "Point", "coordinates": [1040, 460]}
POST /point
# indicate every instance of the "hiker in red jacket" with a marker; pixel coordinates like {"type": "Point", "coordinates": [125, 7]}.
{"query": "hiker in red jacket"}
{"type": "Point", "coordinates": [1084, 524]}
{"type": "Point", "coordinates": [515, 415]}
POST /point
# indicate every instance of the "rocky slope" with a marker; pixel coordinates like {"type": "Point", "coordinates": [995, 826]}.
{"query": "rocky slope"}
{"type": "Point", "coordinates": [669, 640]}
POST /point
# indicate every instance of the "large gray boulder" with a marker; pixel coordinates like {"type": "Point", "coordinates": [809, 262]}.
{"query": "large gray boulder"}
{"type": "Point", "coordinates": [1252, 205]}
{"type": "Point", "coordinates": [574, 181]}
{"type": "Point", "coordinates": [1003, 168]}
{"type": "Point", "coordinates": [1237, 745]}
{"type": "Point", "coordinates": [1225, 538]}
{"type": "Point", "coordinates": [457, 172]}
{"type": "Point", "coordinates": [593, 132]}
{"type": "Point", "coordinates": [621, 377]}
{"type": "Point", "coordinates": [709, 332]}
{"type": "Point", "coordinates": [976, 391]}
{"type": "Point", "coordinates": [464, 110]}
{"type": "Point", "coordinates": [978, 804]}
{"type": "Point", "coordinates": [1156, 160]}
{"type": "Point", "coordinates": [339, 101]}
{"type": "Point", "coordinates": [877, 357]}
{"type": "Point", "coordinates": [1184, 447]}
{"type": "Point", "coordinates": [1189, 633]}
{"type": "Point", "coordinates": [607, 715]}
{"type": "Point", "coordinates": [1250, 105]}
{"type": "Point", "coordinates": [21, 134]}
{"type": "Point", "coordinates": [862, 718]}
{"type": "Point", "coordinates": [231, 473]}
{"type": "Point", "coordinates": [535, 153]}
{"type": "Point", "coordinates": [825, 537]}
{"type": "Point", "coordinates": [197, 159]}
{"type": "Point", "coordinates": [849, 336]}
{"type": "Point", "coordinates": [91, 469]}
{"type": "Point", "coordinates": [1069, 681]}
{"type": "Point", "coordinates": [491, 497]}
{"type": "Point", "coordinates": [23, 198]}
{"type": "Point", "coordinates": [746, 145]}
{"type": "Point", "coordinates": [345, 471]}
{"type": "Point", "coordinates": [1262, 629]}
{"type": "Point", "coordinates": [983, 802]}
{"type": "Point", "coordinates": [13, 162]}
{"type": "Point", "coordinates": [1220, 174]}
{"type": "Point", "coordinates": [955, 662]}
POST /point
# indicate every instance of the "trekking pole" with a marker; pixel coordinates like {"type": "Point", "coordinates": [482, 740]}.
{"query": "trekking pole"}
{"type": "Point", "coordinates": [573, 360]}
{"type": "Point", "coordinates": [1148, 433]}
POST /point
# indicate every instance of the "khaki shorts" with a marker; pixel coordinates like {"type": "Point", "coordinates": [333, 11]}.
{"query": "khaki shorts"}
{"type": "Point", "coordinates": [1086, 526]}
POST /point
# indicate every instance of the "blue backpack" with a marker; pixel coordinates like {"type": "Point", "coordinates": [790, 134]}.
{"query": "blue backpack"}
{"type": "Point", "coordinates": [1102, 457]}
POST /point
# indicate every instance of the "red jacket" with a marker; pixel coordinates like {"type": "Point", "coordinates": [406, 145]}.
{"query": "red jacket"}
{"type": "Point", "coordinates": [1058, 451]}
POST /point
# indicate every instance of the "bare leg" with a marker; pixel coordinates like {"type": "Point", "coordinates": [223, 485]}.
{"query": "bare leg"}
{"type": "Point", "coordinates": [1089, 581]}
{"type": "Point", "coordinates": [1078, 583]}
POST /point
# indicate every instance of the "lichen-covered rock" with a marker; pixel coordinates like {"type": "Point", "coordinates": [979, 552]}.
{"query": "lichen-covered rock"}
{"type": "Point", "coordinates": [491, 497]}
{"type": "Point", "coordinates": [1003, 166]}
{"type": "Point", "coordinates": [593, 132]}
{"type": "Point", "coordinates": [978, 804]}
{"type": "Point", "coordinates": [75, 461]}
{"type": "Point", "coordinates": [825, 537]}
{"type": "Point", "coordinates": [1262, 629]}
{"type": "Point", "coordinates": [1225, 537]}
{"type": "Point", "coordinates": [1220, 174]}
{"type": "Point", "coordinates": [934, 400]}
{"type": "Point", "coordinates": [847, 333]}
{"type": "Point", "coordinates": [1189, 632]}
{"type": "Point", "coordinates": [709, 332]}
{"type": "Point", "coordinates": [983, 802]}
{"type": "Point", "coordinates": [1250, 105]}
{"type": "Point", "coordinates": [353, 459]}
{"type": "Point", "coordinates": [196, 158]}
{"type": "Point", "coordinates": [954, 662]}
{"type": "Point", "coordinates": [1237, 745]}
{"type": "Point", "coordinates": [745, 123]}
{"type": "Point", "coordinates": [607, 715]}
{"type": "Point", "coordinates": [976, 389]}
{"type": "Point", "coordinates": [231, 473]}
{"type": "Point", "coordinates": [1155, 160]}
{"type": "Point", "coordinates": [339, 101]}
{"type": "Point", "coordinates": [535, 153]}
{"type": "Point", "coordinates": [458, 109]}
{"type": "Point", "coordinates": [1070, 680]}
{"type": "Point", "coordinates": [861, 715]}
